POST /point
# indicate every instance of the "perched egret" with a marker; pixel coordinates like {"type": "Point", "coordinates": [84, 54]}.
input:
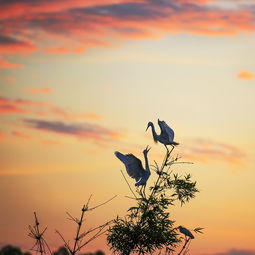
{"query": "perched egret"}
{"type": "Point", "coordinates": [166, 136]}
{"type": "Point", "coordinates": [186, 232]}
{"type": "Point", "coordinates": [135, 168]}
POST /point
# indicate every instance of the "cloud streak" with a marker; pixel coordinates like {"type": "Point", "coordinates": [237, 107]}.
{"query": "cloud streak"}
{"type": "Point", "coordinates": [246, 75]}
{"type": "Point", "coordinates": [78, 130]}
{"type": "Point", "coordinates": [45, 109]}
{"type": "Point", "coordinates": [235, 252]}
{"type": "Point", "coordinates": [4, 64]}
{"type": "Point", "coordinates": [104, 23]}
{"type": "Point", "coordinates": [39, 90]}
{"type": "Point", "coordinates": [21, 134]}
{"type": "Point", "coordinates": [204, 150]}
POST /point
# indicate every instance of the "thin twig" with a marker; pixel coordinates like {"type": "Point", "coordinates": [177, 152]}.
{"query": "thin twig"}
{"type": "Point", "coordinates": [181, 162]}
{"type": "Point", "coordinates": [186, 242]}
{"type": "Point", "coordinates": [40, 242]}
{"type": "Point", "coordinates": [79, 236]}
{"type": "Point", "coordinates": [65, 242]}
{"type": "Point", "coordinates": [79, 227]}
{"type": "Point", "coordinates": [99, 233]}
{"type": "Point", "coordinates": [38, 232]}
{"type": "Point", "coordinates": [90, 209]}
{"type": "Point", "coordinates": [128, 183]}
{"type": "Point", "coordinates": [93, 229]}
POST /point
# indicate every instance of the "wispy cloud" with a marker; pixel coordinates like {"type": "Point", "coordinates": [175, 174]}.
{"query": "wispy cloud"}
{"type": "Point", "coordinates": [39, 90]}
{"type": "Point", "coordinates": [9, 44]}
{"type": "Point", "coordinates": [6, 64]}
{"type": "Point", "coordinates": [11, 79]}
{"type": "Point", "coordinates": [21, 134]}
{"type": "Point", "coordinates": [65, 50]}
{"type": "Point", "coordinates": [235, 252]}
{"type": "Point", "coordinates": [204, 150]}
{"type": "Point", "coordinates": [45, 109]}
{"type": "Point", "coordinates": [2, 136]}
{"type": "Point", "coordinates": [102, 23]}
{"type": "Point", "coordinates": [246, 75]}
{"type": "Point", "coordinates": [80, 130]}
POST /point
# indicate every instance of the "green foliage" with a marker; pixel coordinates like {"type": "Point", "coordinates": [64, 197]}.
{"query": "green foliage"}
{"type": "Point", "coordinates": [147, 227]}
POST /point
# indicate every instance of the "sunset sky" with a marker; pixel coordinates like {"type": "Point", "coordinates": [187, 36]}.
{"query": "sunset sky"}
{"type": "Point", "coordinates": [81, 79]}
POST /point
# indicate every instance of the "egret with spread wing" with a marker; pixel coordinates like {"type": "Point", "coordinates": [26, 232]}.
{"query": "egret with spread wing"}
{"type": "Point", "coordinates": [135, 168]}
{"type": "Point", "coordinates": [166, 136]}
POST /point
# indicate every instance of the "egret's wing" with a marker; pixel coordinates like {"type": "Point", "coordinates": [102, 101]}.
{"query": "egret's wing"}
{"type": "Point", "coordinates": [121, 157]}
{"type": "Point", "coordinates": [133, 165]}
{"type": "Point", "coordinates": [168, 130]}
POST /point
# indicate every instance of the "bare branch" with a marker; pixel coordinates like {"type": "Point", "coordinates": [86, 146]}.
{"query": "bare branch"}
{"type": "Point", "coordinates": [37, 235]}
{"type": "Point", "coordinates": [128, 183]}
{"type": "Point", "coordinates": [90, 209]}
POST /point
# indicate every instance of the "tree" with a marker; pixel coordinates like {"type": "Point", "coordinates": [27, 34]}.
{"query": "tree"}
{"type": "Point", "coordinates": [12, 250]}
{"type": "Point", "coordinates": [148, 227]}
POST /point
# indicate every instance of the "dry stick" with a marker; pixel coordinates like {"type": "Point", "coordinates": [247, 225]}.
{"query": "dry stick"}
{"type": "Point", "coordinates": [99, 233]}
{"type": "Point", "coordinates": [38, 232]}
{"type": "Point", "coordinates": [186, 242]}
{"type": "Point", "coordinates": [63, 239]}
{"type": "Point", "coordinates": [93, 229]}
{"type": "Point", "coordinates": [128, 184]}
{"type": "Point", "coordinates": [79, 227]}
{"type": "Point", "coordinates": [160, 171]}
{"type": "Point", "coordinates": [187, 249]}
{"type": "Point", "coordinates": [79, 222]}
{"type": "Point", "coordinates": [90, 209]}
{"type": "Point", "coordinates": [47, 245]}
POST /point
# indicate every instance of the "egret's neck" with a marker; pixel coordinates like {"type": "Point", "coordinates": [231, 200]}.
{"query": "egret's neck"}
{"type": "Point", "coordinates": [146, 162]}
{"type": "Point", "coordinates": [154, 134]}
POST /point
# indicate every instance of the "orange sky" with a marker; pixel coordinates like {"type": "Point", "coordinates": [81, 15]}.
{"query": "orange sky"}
{"type": "Point", "coordinates": [81, 79]}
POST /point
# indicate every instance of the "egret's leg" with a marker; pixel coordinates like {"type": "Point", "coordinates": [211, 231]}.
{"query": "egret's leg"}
{"type": "Point", "coordinates": [144, 191]}
{"type": "Point", "coordinates": [141, 190]}
{"type": "Point", "coordinates": [166, 149]}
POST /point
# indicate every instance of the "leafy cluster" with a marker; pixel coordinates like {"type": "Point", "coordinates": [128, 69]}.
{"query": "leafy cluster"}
{"type": "Point", "coordinates": [147, 226]}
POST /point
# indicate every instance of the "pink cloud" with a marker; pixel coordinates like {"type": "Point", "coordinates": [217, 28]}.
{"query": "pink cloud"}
{"type": "Point", "coordinates": [19, 8]}
{"type": "Point", "coordinates": [235, 252]}
{"type": "Point", "coordinates": [39, 90]}
{"type": "Point", "coordinates": [5, 64]}
{"type": "Point", "coordinates": [205, 150]}
{"type": "Point", "coordinates": [246, 75]}
{"type": "Point", "coordinates": [42, 109]}
{"type": "Point", "coordinates": [11, 79]}
{"type": "Point", "coordinates": [2, 136]}
{"type": "Point", "coordinates": [79, 25]}
{"type": "Point", "coordinates": [20, 134]}
{"type": "Point", "coordinates": [9, 44]}
{"type": "Point", "coordinates": [64, 50]}
{"type": "Point", "coordinates": [79, 130]}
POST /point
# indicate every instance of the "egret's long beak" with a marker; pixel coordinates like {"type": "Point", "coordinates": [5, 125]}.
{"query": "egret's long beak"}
{"type": "Point", "coordinates": [147, 128]}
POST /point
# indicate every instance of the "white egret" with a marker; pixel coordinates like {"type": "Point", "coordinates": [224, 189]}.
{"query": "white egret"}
{"type": "Point", "coordinates": [186, 232]}
{"type": "Point", "coordinates": [166, 136]}
{"type": "Point", "coordinates": [135, 168]}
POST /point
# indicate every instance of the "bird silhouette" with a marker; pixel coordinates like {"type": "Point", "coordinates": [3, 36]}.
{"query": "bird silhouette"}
{"type": "Point", "coordinates": [166, 136]}
{"type": "Point", "coordinates": [135, 168]}
{"type": "Point", "coordinates": [186, 232]}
